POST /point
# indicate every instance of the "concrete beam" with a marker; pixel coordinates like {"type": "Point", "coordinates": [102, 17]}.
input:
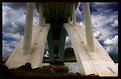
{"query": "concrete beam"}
{"type": "Point", "coordinates": [17, 58]}
{"type": "Point", "coordinates": [50, 43]}
{"type": "Point", "coordinates": [40, 14]}
{"type": "Point", "coordinates": [28, 29]}
{"type": "Point", "coordinates": [88, 27]}
{"type": "Point", "coordinates": [73, 14]}
{"type": "Point", "coordinates": [36, 58]}
{"type": "Point", "coordinates": [98, 62]}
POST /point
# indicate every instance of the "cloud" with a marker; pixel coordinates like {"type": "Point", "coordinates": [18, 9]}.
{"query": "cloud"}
{"type": "Point", "coordinates": [79, 16]}
{"type": "Point", "coordinates": [67, 39]}
{"type": "Point", "coordinates": [8, 36]}
{"type": "Point", "coordinates": [104, 20]}
{"type": "Point", "coordinates": [105, 24]}
{"type": "Point", "coordinates": [9, 42]}
{"type": "Point", "coordinates": [13, 23]}
{"type": "Point", "coordinates": [68, 42]}
{"type": "Point", "coordinates": [8, 47]}
{"type": "Point", "coordinates": [15, 5]}
{"type": "Point", "coordinates": [6, 51]}
{"type": "Point", "coordinates": [108, 42]}
{"type": "Point", "coordinates": [115, 23]}
{"type": "Point", "coordinates": [112, 45]}
{"type": "Point", "coordinates": [97, 34]}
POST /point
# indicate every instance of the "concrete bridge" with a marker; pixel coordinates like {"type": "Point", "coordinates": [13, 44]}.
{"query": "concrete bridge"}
{"type": "Point", "coordinates": [56, 20]}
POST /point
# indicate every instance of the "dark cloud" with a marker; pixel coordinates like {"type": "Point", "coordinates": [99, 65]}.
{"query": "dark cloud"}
{"type": "Point", "coordinates": [104, 19]}
{"type": "Point", "coordinates": [94, 6]}
{"type": "Point", "coordinates": [79, 16]}
{"type": "Point", "coordinates": [16, 5]}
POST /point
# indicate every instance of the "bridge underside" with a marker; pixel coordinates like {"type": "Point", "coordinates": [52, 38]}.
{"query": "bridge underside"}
{"type": "Point", "coordinates": [97, 62]}
{"type": "Point", "coordinates": [54, 30]}
{"type": "Point", "coordinates": [57, 12]}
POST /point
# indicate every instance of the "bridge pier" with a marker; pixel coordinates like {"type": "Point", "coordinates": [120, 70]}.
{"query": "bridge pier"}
{"type": "Point", "coordinates": [40, 14]}
{"type": "Point", "coordinates": [28, 29]}
{"type": "Point", "coordinates": [88, 27]}
{"type": "Point", "coordinates": [62, 44]}
{"type": "Point", "coordinates": [73, 14]}
{"type": "Point", "coordinates": [31, 48]}
{"type": "Point", "coordinates": [50, 43]}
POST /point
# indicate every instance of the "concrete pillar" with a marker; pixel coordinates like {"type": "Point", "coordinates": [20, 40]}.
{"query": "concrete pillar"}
{"type": "Point", "coordinates": [50, 45]}
{"type": "Point", "coordinates": [62, 44]}
{"type": "Point", "coordinates": [28, 29]}
{"type": "Point", "coordinates": [69, 20]}
{"type": "Point", "coordinates": [40, 14]}
{"type": "Point", "coordinates": [73, 14]}
{"type": "Point", "coordinates": [88, 27]}
{"type": "Point", "coordinates": [43, 20]}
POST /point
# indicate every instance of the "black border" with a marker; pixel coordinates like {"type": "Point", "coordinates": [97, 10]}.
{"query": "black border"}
{"type": "Point", "coordinates": [58, 1]}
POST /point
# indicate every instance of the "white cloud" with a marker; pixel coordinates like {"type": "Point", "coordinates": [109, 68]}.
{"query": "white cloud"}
{"type": "Point", "coordinates": [82, 24]}
{"type": "Point", "coordinates": [103, 24]}
{"type": "Point", "coordinates": [112, 45]}
{"type": "Point", "coordinates": [102, 20]}
{"type": "Point", "coordinates": [79, 15]}
{"type": "Point", "coordinates": [108, 42]}
{"type": "Point", "coordinates": [103, 3]}
{"type": "Point", "coordinates": [35, 20]}
{"type": "Point", "coordinates": [68, 42]}
{"type": "Point", "coordinates": [78, 6]}
{"type": "Point", "coordinates": [115, 23]}
{"type": "Point", "coordinates": [9, 44]}
{"type": "Point", "coordinates": [97, 34]}
{"type": "Point", "coordinates": [16, 36]}
{"type": "Point", "coordinates": [10, 14]}
{"type": "Point", "coordinates": [67, 39]}
{"type": "Point", "coordinates": [112, 41]}
{"type": "Point", "coordinates": [7, 49]}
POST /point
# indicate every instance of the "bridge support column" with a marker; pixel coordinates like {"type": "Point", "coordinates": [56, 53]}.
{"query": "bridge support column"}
{"type": "Point", "coordinates": [88, 27]}
{"type": "Point", "coordinates": [62, 44]}
{"type": "Point", "coordinates": [28, 29]}
{"type": "Point", "coordinates": [73, 14]}
{"type": "Point", "coordinates": [40, 14]}
{"type": "Point", "coordinates": [50, 45]}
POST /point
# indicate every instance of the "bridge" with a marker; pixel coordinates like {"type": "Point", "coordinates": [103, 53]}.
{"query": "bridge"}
{"type": "Point", "coordinates": [56, 20]}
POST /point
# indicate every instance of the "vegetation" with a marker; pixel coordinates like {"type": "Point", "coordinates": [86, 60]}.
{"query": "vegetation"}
{"type": "Point", "coordinates": [69, 54]}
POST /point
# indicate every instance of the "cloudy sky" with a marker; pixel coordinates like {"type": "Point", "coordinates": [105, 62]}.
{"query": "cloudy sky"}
{"type": "Point", "coordinates": [104, 17]}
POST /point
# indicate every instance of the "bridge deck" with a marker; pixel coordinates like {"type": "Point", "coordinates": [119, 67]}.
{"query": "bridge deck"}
{"type": "Point", "coordinates": [57, 12]}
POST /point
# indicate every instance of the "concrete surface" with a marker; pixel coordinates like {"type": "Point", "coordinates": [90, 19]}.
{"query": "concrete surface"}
{"type": "Point", "coordinates": [97, 62]}
{"type": "Point", "coordinates": [18, 58]}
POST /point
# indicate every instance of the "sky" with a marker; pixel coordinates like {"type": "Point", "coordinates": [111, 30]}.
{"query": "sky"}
{"type": "Point", "coordinates": [104, 16]}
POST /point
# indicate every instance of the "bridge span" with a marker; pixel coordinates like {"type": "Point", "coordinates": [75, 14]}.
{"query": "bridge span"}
{"type": "Point", "coordinates": [54, 25]}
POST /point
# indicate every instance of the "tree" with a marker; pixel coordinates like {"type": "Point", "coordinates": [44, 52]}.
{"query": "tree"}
{"type": "Point", "coordinates": [69, 52]}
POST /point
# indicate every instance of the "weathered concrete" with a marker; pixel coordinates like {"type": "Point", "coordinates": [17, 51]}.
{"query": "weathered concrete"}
{"type": "Point", "coordinates": [50, 43]}
{"type": "Point", "coordinates": [90, 61]}
{"type": "Point", "coordinates": [88, 27]}
{"type": "Point", "coordinates": [97, 62]}
{"type": "Point", "coordinates": [40, 14]}
{"type": "Point", "coordinates": [73, 14]}
{"type": "Point", "coordinates": [62, 44]}
{"type": "Point", "coordinates": [17, 58]}
{"type": "Point", "coordinates": [28, 29]}
{"type": "Point", "coordinates": [39, 46]}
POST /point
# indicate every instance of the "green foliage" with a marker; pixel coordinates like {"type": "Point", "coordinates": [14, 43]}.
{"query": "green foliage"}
{"type": "Point", "coordinates": [69, 52]}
